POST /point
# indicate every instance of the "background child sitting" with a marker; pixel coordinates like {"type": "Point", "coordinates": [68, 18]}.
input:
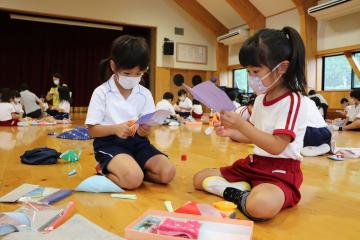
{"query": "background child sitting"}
{"type": "Point", "coordinates": [64, 106]}
{"type": "Point", "coordinates": [16, 102]}
{"type": "Point", "coordinates": [233, 96]}
{"type": "Point", "coordinates": [166, 104]}
{"type": "Point", "coordinates": [184, 104]}
{"type": "Point", "coordinates": [197, 110]}
{"type": "Point", "coordinates": [318, 105]}
{"type": "Point", "coordinates": [8, 115]}
{"type": "Point", "coordinates": [246, 110]}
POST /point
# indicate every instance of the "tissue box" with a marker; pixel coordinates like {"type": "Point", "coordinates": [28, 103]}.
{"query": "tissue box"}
{"type": "Point", "coordinates": [211, 228]}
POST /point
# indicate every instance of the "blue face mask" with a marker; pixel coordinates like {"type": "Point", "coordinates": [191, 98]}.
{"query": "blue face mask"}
{"type": "Point", "coordinates": [256, 84]}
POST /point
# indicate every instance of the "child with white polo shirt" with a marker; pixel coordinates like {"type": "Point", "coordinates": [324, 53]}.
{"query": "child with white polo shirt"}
{"type": "Point", "coordinates": [352, 121]}
{"type": "Point", "coordinates": [166, 104]}
{"type": "Point", "coordinates": [246, 110]}
{"type": "Point", "coordinates": [8, 115]}
{"type": "Point", "coordinates": [124, 158]}
{"type": "Point", "coordinates": [184, 104]}
{"type": "Point", "coordinates": [317, 139]}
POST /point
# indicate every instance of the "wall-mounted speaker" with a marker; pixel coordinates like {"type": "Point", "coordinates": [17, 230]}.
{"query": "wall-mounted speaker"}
{"type": "Point", "coordinates": [168, 48]}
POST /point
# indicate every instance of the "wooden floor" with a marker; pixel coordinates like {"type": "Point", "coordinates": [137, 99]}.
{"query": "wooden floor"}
{"type": "Point", "coordinates": [329, 209]}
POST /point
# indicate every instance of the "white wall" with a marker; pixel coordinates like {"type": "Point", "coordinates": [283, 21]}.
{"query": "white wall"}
{"type": "Point", "coordinates": [339, 32]}
{"type": "Point", "coordinates": [163, 14]}
{"type": "Point", "coordinates": [234, 53]}
{"type": "Point", "coordinates": [289, 18]}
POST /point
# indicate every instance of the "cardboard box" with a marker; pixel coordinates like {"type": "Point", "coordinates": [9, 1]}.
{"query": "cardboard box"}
{"type": "Point", "coordinates": [211, 228]}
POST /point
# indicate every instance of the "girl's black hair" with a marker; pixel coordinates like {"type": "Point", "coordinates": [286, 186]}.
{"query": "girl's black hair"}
{"type": "Point", "coordinates": [311, 92]}
{"type": "Point", "coordinates": [182, 92]}
{"type": "Point", "coordinates": [344, 100]}
{"type": "Point", "coordinates": [355, 94]}
{"type": "Point", "coordinates": [127, 52]}
{"type": "Point", "coordinates": [269, 47]}
{"type": "Point", "coordinates": [195, 102]}
{"type": "Point", "coordinates": [15, 93]}
{"type": "Point", "coordinates": [64, 93]}
{"type": "Point", "coordinates": [317, 101]}
{"type": "Point", "coordinates": [251, 100]}
{"type": "Point", "coordinates": [24, 86]}
{"type": "Point", "coordinates": [6, 95]}
{"type": "Point", "coordinates": [232, 94]}
{"type": "Point", "coordinates": [168, 96]}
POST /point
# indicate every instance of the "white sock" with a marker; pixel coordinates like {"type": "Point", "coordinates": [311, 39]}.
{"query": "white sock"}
{"type": "Point", "coordinates": [217, 185]}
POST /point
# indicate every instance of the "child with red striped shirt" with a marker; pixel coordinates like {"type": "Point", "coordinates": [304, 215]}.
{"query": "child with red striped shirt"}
{"type": "Point", "coordinates": [275, 61]}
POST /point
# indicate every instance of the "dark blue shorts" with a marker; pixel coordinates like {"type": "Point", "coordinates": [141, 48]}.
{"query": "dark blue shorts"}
{"type": "Point", "coordinates": [140, 148]}
{"type": "Point", "coordinates": [317, 136]}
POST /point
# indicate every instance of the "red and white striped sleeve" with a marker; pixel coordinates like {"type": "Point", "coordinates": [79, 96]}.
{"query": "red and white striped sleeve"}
{"type": "Point", "coordinates": [288, 116]}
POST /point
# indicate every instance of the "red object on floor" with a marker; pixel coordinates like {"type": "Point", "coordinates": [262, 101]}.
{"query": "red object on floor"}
{"type": "Point", "coordinates": [183, 157]}
{"type": "Point", "coordinates": [189, 208]}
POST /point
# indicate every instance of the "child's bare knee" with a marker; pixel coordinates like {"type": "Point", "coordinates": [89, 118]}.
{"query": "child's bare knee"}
{"type": "Point", "coordinates": [132, 180]}
{"type": "Point", "coordinates": [198, 178]}
{"type": "Point", "coordinates": [261, 207]}
{"type": "Point", "coordinates": [167, 174]}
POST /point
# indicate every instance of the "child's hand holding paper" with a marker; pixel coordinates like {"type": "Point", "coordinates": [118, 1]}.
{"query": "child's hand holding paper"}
{"type": "Point", "coordinates": [230, 119]}
{"type": "Point", "coordinates": [144, 130]}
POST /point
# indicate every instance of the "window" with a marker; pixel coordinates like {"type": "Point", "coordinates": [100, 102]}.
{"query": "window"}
{"type": "Point", "coordinates": [356, 79]}
{"type": "Point", "coordinates": [338, 74]}
{"type": "Point", "coordinates": [240, 80]}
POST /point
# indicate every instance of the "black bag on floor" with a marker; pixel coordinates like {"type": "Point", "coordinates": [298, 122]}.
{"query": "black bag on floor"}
{"type": "Point", "coordinates": [40, 156]}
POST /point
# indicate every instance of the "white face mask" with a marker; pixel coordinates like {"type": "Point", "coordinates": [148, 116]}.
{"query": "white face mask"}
{"type": "Point", "coordinates": [256, 84]}
{"type": "Point", "coordinates": [128, 82]}
{"type": "Point", "coordinates": [182, 98]}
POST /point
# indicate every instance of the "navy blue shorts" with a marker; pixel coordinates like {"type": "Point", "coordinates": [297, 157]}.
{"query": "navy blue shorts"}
{"type": "Point", "coordinates": [317, 136]}
{"type": "Point", "coordinates": [140, 148]}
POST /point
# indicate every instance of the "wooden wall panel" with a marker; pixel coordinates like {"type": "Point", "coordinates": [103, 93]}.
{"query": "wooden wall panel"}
{"type": "Point", "coordinates": [162, 82]}
{"type": "Point", "coordinates": [333, 98]}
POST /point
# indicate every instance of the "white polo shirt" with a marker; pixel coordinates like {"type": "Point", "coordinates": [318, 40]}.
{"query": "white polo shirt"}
{"type": "Point", "coordinates": [244, 112]}
{"type": "Point", "coordinates": [315, 119]}
{"type": "Point", "coordinates": [5, 111]}
{"type": "Point", "coordinates": [321, 98]}
{"type": "Point", "coordinates": [197, 108]}
{"type": "Point", "coordinates": [164, 104]}
{"type": "Point", "coordinates": [18, 107]}
{"type": "Point", "coordinates": [64, 106]}
{"type": "Point", "coordinates": [236, 104]}
{"type": "Point", "coordinates": [107, 106]}
{"type": "Point", "coordinates": [353, 112]}
{"type": "Point", "coordinates": [286, 114]}
{"type": "Point", "coordinates": [187, 103]}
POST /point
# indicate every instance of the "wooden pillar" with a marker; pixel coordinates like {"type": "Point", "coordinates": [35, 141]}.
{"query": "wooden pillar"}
{"type": "Point", "coordinates": [308, 31]}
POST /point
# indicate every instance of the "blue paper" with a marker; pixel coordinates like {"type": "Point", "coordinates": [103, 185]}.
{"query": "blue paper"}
{"type": "Point", "coordinates": [211, 96]}
{"type": "Point", "coordinates": [98, 184]}
{"type": "Point", "coordinates": [155, 118]}
{"type": "Point", "coordinates": [78, 133]}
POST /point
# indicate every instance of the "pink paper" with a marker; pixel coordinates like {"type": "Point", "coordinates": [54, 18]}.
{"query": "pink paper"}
{"type": "Point", "coordinates": [185, 229]}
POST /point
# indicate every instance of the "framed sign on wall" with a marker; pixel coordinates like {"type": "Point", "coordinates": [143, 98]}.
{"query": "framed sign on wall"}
{"type": "Point", "coordinates": [191, 53]}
